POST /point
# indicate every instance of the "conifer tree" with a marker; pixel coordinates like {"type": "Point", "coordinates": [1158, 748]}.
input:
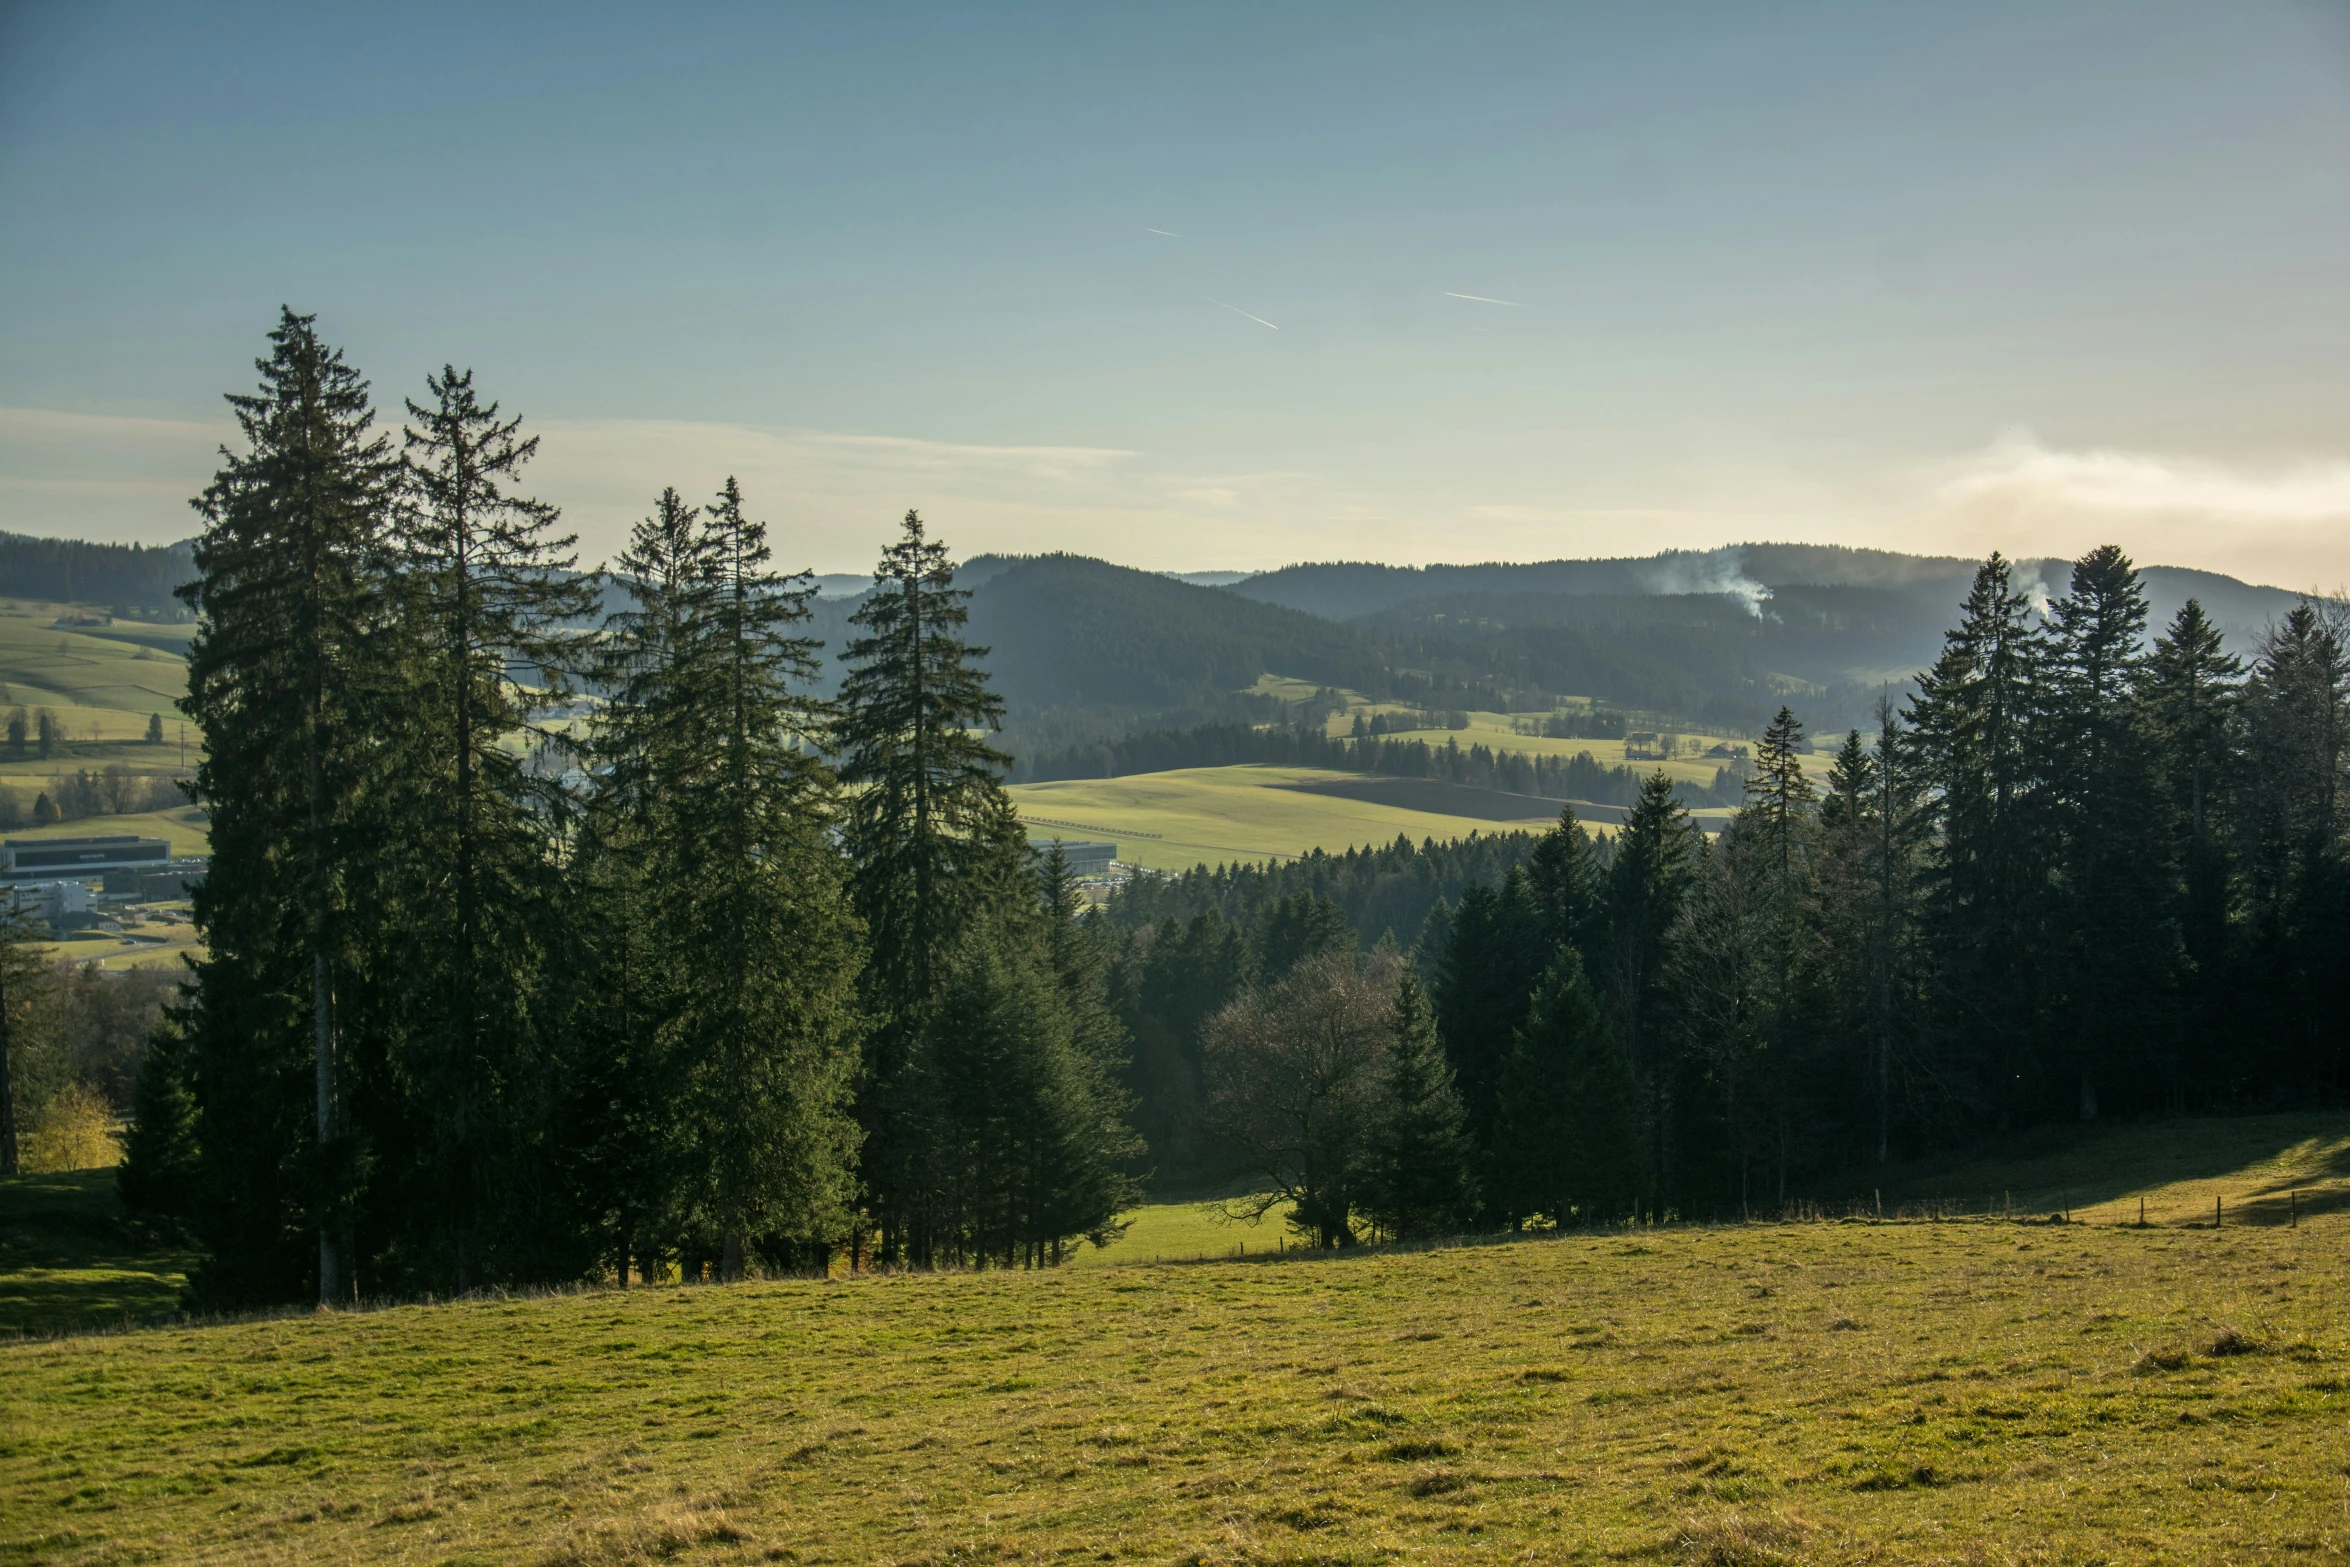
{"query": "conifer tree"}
{"type": "Point", "coordinates": [2191, 701]}
{"type": "Point", "coordinates": [623, 1084]}
{"type": "Point", "coordinates": [1494, 955]}
{"type": "Point", "coordinates": [1975, 723]}
{"type": "Point", "coordinates": [1299, 926]}
{"type": "Point", "coordinates": [913, 706]}
{"type": "Point", "coordinates": [285, 681]}
{"type": "Point", "coordinates": [2104, 817]}
{"type": "Point", "coordinates": [160, 1159]}
{"type": "Point", "coordinates": [933, 844]}
{"type": "Point", "coordinates": [1724, 973]}
{"type": "Point", "coordinates": [1420, 1178]}
{"type": "Point", "coordinates": [1565, 877]}
{"type": "Point", "coordinates": [1570, 1113]}
{"type": "Point", "coordinates": [1779, 813]}
{"type": "Point", "coordinates": [1648, 880]}
{"type": "Point", "coordinates": [485, 585]}
{"type": "Point", "coordinates": [758, 1044]}
{"type": "Point", "coordinates": [1779, 798]}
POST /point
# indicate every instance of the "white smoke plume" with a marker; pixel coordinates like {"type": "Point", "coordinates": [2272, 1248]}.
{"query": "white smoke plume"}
{"type": "Point", "coordinates": [1715, 571]}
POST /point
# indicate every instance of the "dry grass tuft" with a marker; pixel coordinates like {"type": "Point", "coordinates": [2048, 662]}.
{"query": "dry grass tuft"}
{"type": "Point", "coordinates": [2234, 1341]}
{"type": "Point", "coordinates": [1740, 1540]}
{"type": "Point", "coordinates": [659, 1537]}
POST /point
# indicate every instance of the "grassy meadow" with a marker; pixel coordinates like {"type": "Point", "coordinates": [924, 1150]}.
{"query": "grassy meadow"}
{"type": "Point", "coordinates": [1967, 1391]}
{"type": "Point", "coordinates": [1173, 821]}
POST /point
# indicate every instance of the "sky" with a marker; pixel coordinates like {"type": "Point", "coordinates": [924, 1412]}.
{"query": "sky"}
{"type": "Point", "coordinates": [1225, 287]}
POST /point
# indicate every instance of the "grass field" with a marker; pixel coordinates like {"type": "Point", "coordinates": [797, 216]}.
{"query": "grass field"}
{"type": "Point", "coordinates": [100, 681]}
{"type": "Point", "coordinates": [1964, 1392]}
{"type": "Point", "coordinates": [1173, 821]}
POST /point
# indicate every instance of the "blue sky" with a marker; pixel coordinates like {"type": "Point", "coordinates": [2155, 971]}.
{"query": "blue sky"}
{"type": "Point", "coordinates": [1929, 278]}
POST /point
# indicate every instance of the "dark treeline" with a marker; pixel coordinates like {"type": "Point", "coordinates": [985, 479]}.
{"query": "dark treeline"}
{"type": "Point", "coordinates": [1576, 777]}
{"type": "Point", "coordinates": [2084, 873]}
{"type": "Point", "coordinates": [138, 579]}
{"type": "Point", "coordinates": [759, 978]}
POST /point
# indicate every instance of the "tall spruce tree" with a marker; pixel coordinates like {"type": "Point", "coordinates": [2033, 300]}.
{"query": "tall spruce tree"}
{"type": "Point", "coordinates": [1494, 955]}
{"type": "Point", "coordinates": [1421, 1174]}
{"type": "Point", "coordinates": [765, 1042]}
{"type": "Point", "coordinates": [1976, 723]}
{"type": "Point", "coordinates": [936, 853]}
{"type": "Point", "coordinates": [622, 1083]}
{"type": "Point", "coordinates": [486, 585]}
{"type": "Point", "coordinates": [1648, 880]}
{"type": "Point", "coordinates": [1565, 877]}
{"type": "Point", "coordinates": [2191, 702]}
{"type": "Point", "coordinates": [1569, 1129]}
{"type": "Point", "coordinates": [2117, 1021]}
{"type": "Point", "coordinates": [914, 707]}
{"type": "Point", "coordinates": [1722, 973]}
{"type": "Point", "coordinates": [286, 682]}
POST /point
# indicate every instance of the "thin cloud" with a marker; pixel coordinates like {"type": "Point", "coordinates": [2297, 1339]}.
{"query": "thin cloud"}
{"type": "Point", "coordinates": [1169, 233]}
{"type": "Point", "coordinates": [1483, 299]}
{"type": "Point", "coordinates": [1236, 310]}
{"type": "Point", "coordinates": [2018, 472]}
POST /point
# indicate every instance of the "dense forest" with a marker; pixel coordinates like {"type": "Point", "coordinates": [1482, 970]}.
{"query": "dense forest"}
{"type": "Point", "coordinates": [710, 948]}
{"type": "Point", "coordinates": [2086, 872]}
{"type": "Point", "coordinates": [130, 579]}
{"type": "Point", "coordinates": [758, 978]}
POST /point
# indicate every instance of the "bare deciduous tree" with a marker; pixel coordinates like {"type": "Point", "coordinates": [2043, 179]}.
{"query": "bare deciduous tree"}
{"type": "Point", "coordinates": [1294, 1083]}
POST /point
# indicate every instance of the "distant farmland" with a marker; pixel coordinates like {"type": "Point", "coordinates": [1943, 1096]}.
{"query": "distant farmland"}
{"type": "Point", "coordinates": [1174, 821]}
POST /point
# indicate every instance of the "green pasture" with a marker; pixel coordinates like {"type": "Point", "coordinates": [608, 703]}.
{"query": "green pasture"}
{"type": "Point", "coordinates": [1963, 1391]}
{"type": "Point", "coordinates": [101, 681]}
{"type": "Point", "coordinates": [1498, 732]}
{"type": "Point", "coordinates": [1173, 821]}
{"type": "Point", "coordinates": [1188, 1232]}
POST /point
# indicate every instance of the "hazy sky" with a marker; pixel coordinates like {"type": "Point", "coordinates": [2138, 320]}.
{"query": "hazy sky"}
{"type": "Point", "coordinates": [1192, 286]}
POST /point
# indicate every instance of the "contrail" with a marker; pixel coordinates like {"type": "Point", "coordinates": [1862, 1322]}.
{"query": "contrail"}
{"type": "Point", "coordinates": [1236, 310]}
{"type": "Point", "coordinates": [1170, 233]}
{"type": "Point", "coordinates": [1483, 300]}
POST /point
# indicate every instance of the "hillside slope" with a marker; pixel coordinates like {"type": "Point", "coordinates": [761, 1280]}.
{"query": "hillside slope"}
{"type": "Point", "coordinates": [1820, 1393]}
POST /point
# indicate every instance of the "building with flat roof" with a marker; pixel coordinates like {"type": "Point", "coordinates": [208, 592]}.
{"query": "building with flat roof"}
{"type": "Point", "coordinates": [50, 859]}
{"type": "Point", "coordinates": [1083, 859]}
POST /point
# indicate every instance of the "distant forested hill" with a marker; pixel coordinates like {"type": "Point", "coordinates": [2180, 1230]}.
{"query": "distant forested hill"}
{"type": "Point", "coordinates": [1346, 589]}
{"type": "Point", "coordinates": [1085, 652]}
{"type": "Point", "coordinates": [1071, 631]}
{"type": "Point", "coordinates": [110, 576]}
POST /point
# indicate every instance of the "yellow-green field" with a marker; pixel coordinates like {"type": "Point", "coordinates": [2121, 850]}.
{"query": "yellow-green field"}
{"type": "Point", "coordinates": [94, 679]}
{"type": "Point", "coordinates": [1173, 821]}
{"type": "Point", "coordinates": [1815, 1393]}
{"type": "Point", "coordinates": [1187, 1232]}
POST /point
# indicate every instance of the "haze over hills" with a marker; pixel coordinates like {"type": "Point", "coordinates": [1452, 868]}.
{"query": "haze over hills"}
{"type": "Point", "coordinates": [1084, 650]}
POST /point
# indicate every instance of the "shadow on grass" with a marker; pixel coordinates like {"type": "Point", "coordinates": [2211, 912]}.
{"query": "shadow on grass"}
{"type": "Point", "coordinates": [2262, 1166]}
{"type": "Point", "coordinates": [71, 1259]}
